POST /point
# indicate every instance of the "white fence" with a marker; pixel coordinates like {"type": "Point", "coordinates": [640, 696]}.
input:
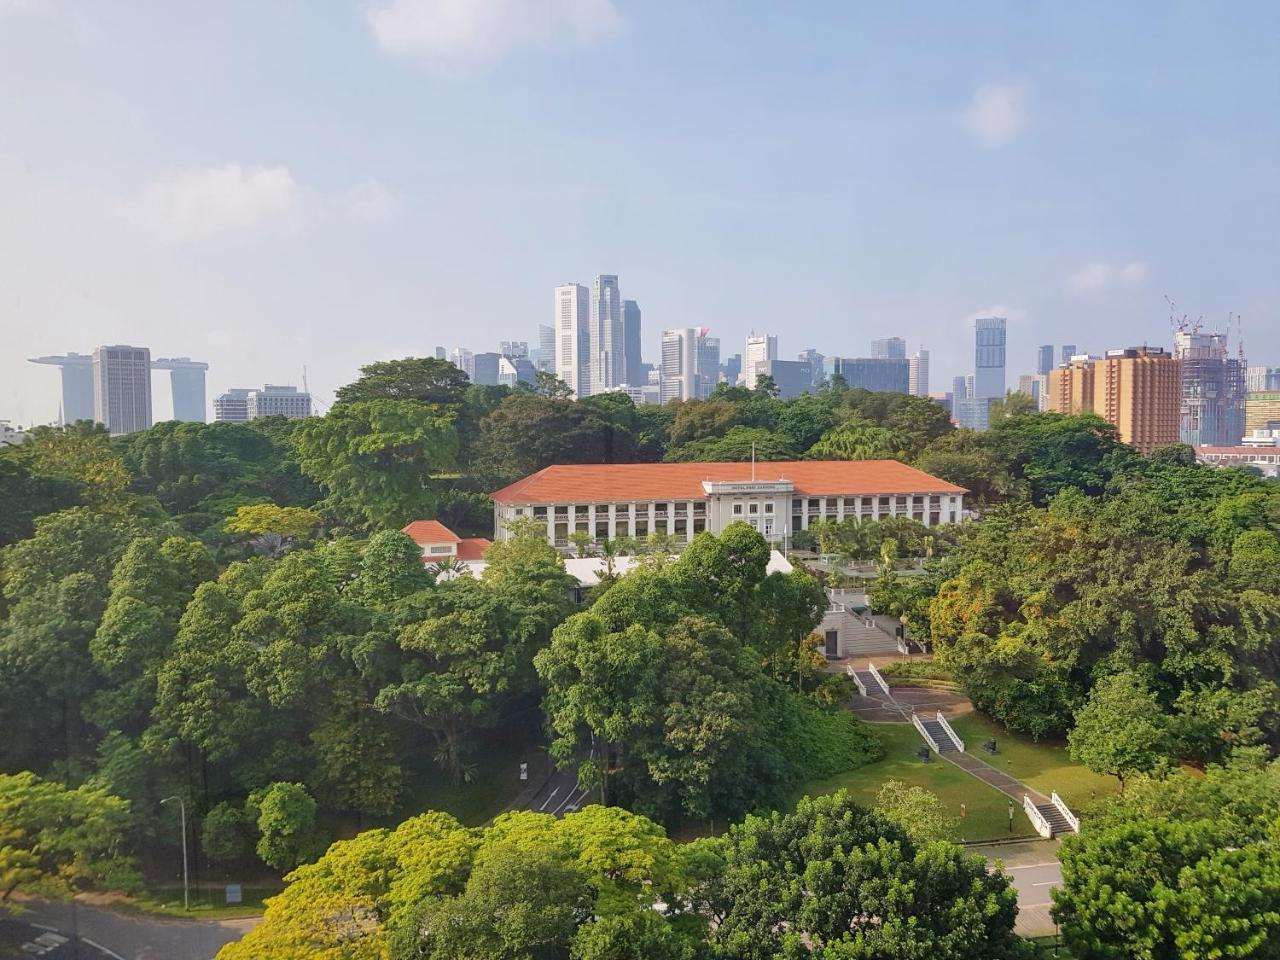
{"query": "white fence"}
{"type": "Point", "coordinates": [915, 721]}
{"type": "Point", "coordinates": [853, 674]}
{"type": "Point", "coordinates": [950, 733]}
{"type": "Point", "coordinates": [871, 667]}
{"type": "Point", "coordinates": [1067, 815]}
{"type": "Point", "coordinates": [1036, 817]}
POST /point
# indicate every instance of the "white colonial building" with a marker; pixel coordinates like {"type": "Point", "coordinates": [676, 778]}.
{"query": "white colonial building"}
{"type": "Point", "coordinates": [683, 499]}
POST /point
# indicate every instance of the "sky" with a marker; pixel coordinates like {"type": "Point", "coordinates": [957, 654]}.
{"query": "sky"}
{"type": "Point", "coordinates": [324, 183]}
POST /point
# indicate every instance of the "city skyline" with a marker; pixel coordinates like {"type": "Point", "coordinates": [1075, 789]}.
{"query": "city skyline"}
{"type": "Point", "coordinates": [938, 166]}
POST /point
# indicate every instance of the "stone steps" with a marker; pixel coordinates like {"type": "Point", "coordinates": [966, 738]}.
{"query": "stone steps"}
{"type": "Point", "coordinates": [935, 730]}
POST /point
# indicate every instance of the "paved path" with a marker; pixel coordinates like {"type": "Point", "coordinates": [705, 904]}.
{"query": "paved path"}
{"type": "Point", "coordinates": [1033, 867]}
{"type": "Point", "coordinates": [128, 936]}
{"type": "Point", "coordinates": [1011, 788]}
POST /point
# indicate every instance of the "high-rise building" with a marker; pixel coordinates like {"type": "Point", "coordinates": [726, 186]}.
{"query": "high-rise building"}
{"type": "Point", "coordinates": [959, 388]}
{"type": "Point", "coordinates": [816, 362]}
{"type": "Point", "coordinates": [77, 384]}
{"type": "Point", "coordinates": [1044, 359]}
{"type": "Point", "coordinates": [573, 337]}
{"type": "Point", "coordinates": [1213, 390]}
{"type": "Point", "coordinates": [918, 374]}
{"type": "Point", "coordinates": [465, 361]}
{"type": "Point", "coordinates": [877, 374]}
{"type": "Point", "coordinates": [274, 400]}
{"type": "Point", "coordinates": [513, 370]}
{"type": "Point", "coordinates": [1035, 386]}
{"type": "Point", "coordinates": [632, 352]}
{"type": "Point", "coordinates": [890, 348]}
{"type": "Point", "coordinates": [515, 349]}
{"type": "Point", "coordinates": [760, 351]}
{"type": "Point", "coordinates": [608, 359]}
{"type": "Point", "coordinates": [1262, 379]}
{"type": "Point", "coordinates": [988, 359]}
{"type": "Point", "coordinates": [1068, 351]}
{"type": "Point", "coordinates": [484, 369]}
{"type": "Point", "coordinates": [707, 364]}
{"type": "Point", "coordinates": [679, 367]}
{"type": "Point", "coordinates": [731, 369]}
{"type": "Point", "coordinates": [791, 377]}
{"type": "Point", "coordinates": [441, 354]}
{"type": "Point", "coordinates": [186, 381]}
{"type": "Point", "coordinates": [232, 406]}
{"type": "Point", "coordinates": [1138, 389]}
{"type": "Point", "coordinates": [972, 413]}
{"type": "Point", "coordinates": [1262, 410]}
{"type": "Point", "coordinates": [545, 358]}
{"type": "Point", "coordinates": [122, 388]}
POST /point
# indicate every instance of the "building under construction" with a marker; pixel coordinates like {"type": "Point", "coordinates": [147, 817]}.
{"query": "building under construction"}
{"type": "Point", "coordinates": [1213, 389]}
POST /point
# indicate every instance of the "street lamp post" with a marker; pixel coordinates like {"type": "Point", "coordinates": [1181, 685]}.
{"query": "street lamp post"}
{"type": "Point", "coordinates": [182, 808]}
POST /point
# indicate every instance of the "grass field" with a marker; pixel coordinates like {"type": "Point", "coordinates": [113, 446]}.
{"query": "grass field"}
{"type": "Point", "coordinates": [1044, 765]}
{"type": "Point", "coordinates": [987, 810]}
{"type": "Point", "coordinates": [207, 902]}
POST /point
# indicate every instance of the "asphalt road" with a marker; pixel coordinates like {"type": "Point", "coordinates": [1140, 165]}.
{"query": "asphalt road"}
{"type": "Point", "coordinates": [559, 795]}
{"type": "Point", "coordinates": [126, 936]}
{"type": "Point", "coordinates": [1035, 871]}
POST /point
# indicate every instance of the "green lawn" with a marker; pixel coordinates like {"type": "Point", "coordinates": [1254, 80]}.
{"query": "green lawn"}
{"type": "Point", "coordinates": [207, 902]}
{"type": "Point", "coordinates": [1043, 765]}
{"type": "Point", "coordinates": [987, 810]}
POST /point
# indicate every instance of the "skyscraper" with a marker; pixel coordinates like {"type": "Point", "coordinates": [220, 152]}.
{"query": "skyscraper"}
{"type": "Point", "coordinates": [918, 374]}
{"type": "Point", "coordinates": [959, 388]}
{"type": "Point", "coordinates": [760, 351]}
{"type": "Point", "coordinates": [573, 337]}
{"type": "Point", "coordinates": [988, 357]}
{"type": "Point", "coordinates": [634, 360]}
{"type": "Point", "coordinates": [545, 359]}
{"type": "Point", "coordinates": [1137, 389]}
{"type": "Point", "coordinates": [232, 406]}
{"type": "Point", "coordinates": [1044, 359]}
{"type": "Point", "coordinates": [186, 381]}
{"type": "Point", "coordinates": [816, 362]}
{"type": "Point", "coordinates": [1262, 379]}
{"type": "Point", "coordinates": [1068, 351]}
{"type": "Point", "coordinates": [77, 384]}
{"type": "Point", "coordinates": [679, 365]}
{"type": "Point", "coordinates": [890, 348]}
{"type": "Point", "coordinates": [1213, 390]}
{"type": "Point", "coordinates": [877, 374]}
{"type": "Point", "coordinates": [464, 360]}
{"type": "Point", "coordinates": [484, 368]}
{"type": "Point", "coordinates": [707, 366]}
{"type": "Point", "coordinates": [122, 388]}
{"type": "Point", "coordinates": [274, 400]}
{"type": "Point", "coordinates": [608, 360]}
{"type": "Point", "coordinates": [515, 349]}
{"type": "Point", "coordinates": [441, 354]}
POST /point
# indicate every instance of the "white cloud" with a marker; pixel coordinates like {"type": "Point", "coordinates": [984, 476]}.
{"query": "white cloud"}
{"type": "Point", "coordinates": [370, 202]}
{"type": "Point", "coordinates": [1097, 277]}
{"type": "Point", "coordinates": [997, 113]}
{"type": "Point", "coordinates": [198, 204]}
{"type": "Point", "coordinates": [450, 32]}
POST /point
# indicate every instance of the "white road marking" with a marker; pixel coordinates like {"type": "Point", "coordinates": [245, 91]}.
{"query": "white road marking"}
{"type": "Point", "coordinates": [98, 946]}
{"type": "Point", "coordinates": [1047, 883]}
{"type": "Point", "coordinates": [550, 797]}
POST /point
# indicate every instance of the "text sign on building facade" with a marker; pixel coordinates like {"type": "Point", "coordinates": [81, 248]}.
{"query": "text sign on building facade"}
{"type": "Point", "coordinates": [720, 488]}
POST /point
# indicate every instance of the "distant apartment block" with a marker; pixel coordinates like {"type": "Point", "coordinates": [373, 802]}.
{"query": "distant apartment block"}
{"type": "Point", "coordinates": [1262, 411]}
{"type": "Point", "coordinates": [918, 374]}
{"type": "Point", "coordinates": [272, 400]}
{"type": "Point", "coordinates": [122, 388]}
{"type": "Point", "coordinates": [877, 374]}
{"type": "Point", "coordinates": [1262, 379]}
{"type": "Point", "coordinates": [232, 406]}
{"type": "Point", "coordinates": [1137, 389]}
{"type": "Point", "coordinates": [889, 348]}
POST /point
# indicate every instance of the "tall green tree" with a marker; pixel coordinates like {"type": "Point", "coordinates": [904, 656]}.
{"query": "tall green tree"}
{"type": "Point", "coordinates": [420, 379]}
{"type": "Point", "coordinates": [1121, 730]}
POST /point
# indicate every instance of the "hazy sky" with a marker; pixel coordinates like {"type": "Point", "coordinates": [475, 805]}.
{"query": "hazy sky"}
{"type": "Point", "coordinates": [264, 185]}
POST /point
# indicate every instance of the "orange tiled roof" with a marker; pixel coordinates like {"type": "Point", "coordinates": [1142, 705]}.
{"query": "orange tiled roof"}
{"type": "Point", "coordinates": [429, 531]}
{"type": "Point", "coordinates": [473, 548]}
{"type": "Point", "coordinates": [604, 483]}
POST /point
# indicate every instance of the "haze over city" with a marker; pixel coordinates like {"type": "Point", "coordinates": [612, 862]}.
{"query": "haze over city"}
{"type": "Point", "coordinates": [266, 188]}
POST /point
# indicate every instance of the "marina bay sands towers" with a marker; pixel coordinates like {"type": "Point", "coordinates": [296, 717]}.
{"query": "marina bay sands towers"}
{"type": "Point", "coordinates": [112, 386]}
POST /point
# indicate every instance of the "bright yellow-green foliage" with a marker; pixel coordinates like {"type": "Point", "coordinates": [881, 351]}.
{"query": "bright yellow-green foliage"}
{"type": "Point", "coordinates": [82, 454]}
{"type": "Point", "coordinates": [346, 905]}
{"type": "Point", "coordinates": [260, 518]}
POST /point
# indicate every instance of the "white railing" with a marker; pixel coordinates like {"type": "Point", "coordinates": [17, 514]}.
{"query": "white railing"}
{"type": "Point", "coordinates": [834, 605]}
{"type": "Point", "coordinates": [1067, 815]}
{"type": "Point", "coordinates": [871, 668]}
{"type": "Point", "coordinates": [915, 722]}
{"type": "Point", "coordinates": [862, 687]}
{"type": "Point", "coordinates": [942, 721]}
{"type": "Point", "coordinates": [1036, 817]}
{"type": "Point", "coordinates": [903, 648]}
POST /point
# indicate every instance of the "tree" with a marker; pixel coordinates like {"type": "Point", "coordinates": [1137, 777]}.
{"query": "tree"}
{"type": "Point", "coordinates": [224, 834]}
{"type": "Point", "coordinates": [79, 454]}
{"type": "Point", "coordinates": [272, 527]}
{"type": "Point", "coordinates": [1014, 403]}
{"type": "Point", "coordinates": [285, 815]}
{"type": "Point", "coordinates": [837, 880]}
{"type": "Point", "coordinates": [390, 569]}
{"type": "Point", "coordinates": [27, 495]}
{"type": "Point", "coordinates": [55, 841]}
{"type": "Point", "coordinates": [1053, 451]}
{"type": "Point", "coordinates": [1255, 561]}
{"type": "Point", "coordinates": [1121, 730]}
{"type": "Point", "coordinates": [378, 458]}
{"type": "Point", "coordinates": [856, 439]}
{"type": "Point", "coordinates": [917, 811]}
{"type": "Point", "coordinates": [421, 379]}
{"type": "Point", "coordinates": [1163, 888]}
{"type": "Point", "coordinates": [738, 444]}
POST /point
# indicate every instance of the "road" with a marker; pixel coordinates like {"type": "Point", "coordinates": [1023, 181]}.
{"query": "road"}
{"type": "Point", "coordinates": [128, 936]}
{"type": "Point", "coordinates": [559, 795]}
{"type": "Point", "coordinates": [1034, 869]}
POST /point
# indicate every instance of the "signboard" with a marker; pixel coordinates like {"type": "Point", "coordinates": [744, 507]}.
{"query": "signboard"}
{"type": "Point", "coordinates": [524, 771]}
{"type": "Point", "coordinates": [747, 486]}
{"type": "Point", "coordinates": [235, 893]}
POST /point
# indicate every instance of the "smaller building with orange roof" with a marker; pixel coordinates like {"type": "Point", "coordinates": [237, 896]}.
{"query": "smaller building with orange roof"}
{"type": "Point", "coordinates": [438, 542]}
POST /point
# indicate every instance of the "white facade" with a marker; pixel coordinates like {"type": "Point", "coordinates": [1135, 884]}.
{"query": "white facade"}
{"type": "Point", "coordinates": [232, 406]}
{"type": "Point", "coordinates": [278, 401]}
{"type": "Point", "coordinates": [122, 388]}
{"type": "Point", "coordinates": [608, 345]}
{"type": "Point", "coordinates": [918, 374]}
{"type": "Point", "coordinates": [573, 337]}
{"type": "Point", "coordinates": [756, 357]}
{"type": "Point", "coordinates": [11, 436]}
{"type": "Point", "coordinates": [679, 369]}
{"type": "Point", "coordinates": [464, 360]}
